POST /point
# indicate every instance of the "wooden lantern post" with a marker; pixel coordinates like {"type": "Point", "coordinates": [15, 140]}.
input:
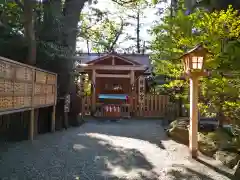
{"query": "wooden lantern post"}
{"type": "Point", "coordinates": [82, 93]}
{"type": "Point", "coordinates": [194, 68]}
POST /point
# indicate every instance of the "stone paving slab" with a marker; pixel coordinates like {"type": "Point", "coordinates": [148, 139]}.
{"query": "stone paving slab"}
{"type": "Point", "coordinates": [125, 150]}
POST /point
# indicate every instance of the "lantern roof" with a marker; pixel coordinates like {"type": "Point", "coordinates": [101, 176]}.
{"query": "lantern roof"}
{"type": "Point", "coordinates": [197, 48]}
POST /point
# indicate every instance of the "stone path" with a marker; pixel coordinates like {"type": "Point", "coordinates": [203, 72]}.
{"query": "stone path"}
{"type": "Point", "coordinates": [126, 150]}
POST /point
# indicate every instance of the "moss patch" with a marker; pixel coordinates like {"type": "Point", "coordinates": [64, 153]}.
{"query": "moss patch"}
{"type": "Point", "coordinates": [229, 159]}
{"type": "Point", "coordinates": [206, 145]}
{"type": "Point", "coordinates": [179, 134]}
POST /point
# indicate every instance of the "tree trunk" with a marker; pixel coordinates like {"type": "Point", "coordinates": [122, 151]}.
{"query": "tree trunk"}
{"type": "Point", "coordinates": [71, 12]}
{"type": "Point", "coordinates": [29, 31]}
{"type": "Point", "coordinates": [138, 32]}
{"type": "Point", "coordinates": [51, 30]}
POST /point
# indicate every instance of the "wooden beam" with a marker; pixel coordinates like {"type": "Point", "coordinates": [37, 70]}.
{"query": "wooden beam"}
{"type": "Point", "coordinates": [101, 58]}
{"type": "Point", "coordinates": [24, 65]}
{"type": "Point", "coordinates": [11, 111]}
{"type": "Point", "coordinates": [113, 60]}
{"type": "Point", "coordinates": [111, 67]}
{"type": "Point", "coordinates": [94, 90]}
{"type": "Point", "coordinates": [113, 75]}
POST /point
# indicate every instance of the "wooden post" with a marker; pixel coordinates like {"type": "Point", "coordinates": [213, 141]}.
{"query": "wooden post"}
{"type": "Point", "coordinates": [82, 93]}
{"type": "Point", "coordinates": [83, 106]}
{"type": "Point", "coordinates": [193, 130]}
{"type": "Point", "coordinates": [94, 89]}
{"type": "Point", "coordinates": [36, 114]}
{"type": "Point", "coordinates": [31, 129]}
{"type": "Point", "coordinates": [66, 109]}
{"type": "Point", "coordinates": [132, 80]}
{"type": "Point", "coordinates": [32, 116]}
{"type": "Point", "coordinates": [53, 119]}
{"type": "Point", "coordinates": [141, 95]}
{"type": "Point", "coordinates": [65, 120]}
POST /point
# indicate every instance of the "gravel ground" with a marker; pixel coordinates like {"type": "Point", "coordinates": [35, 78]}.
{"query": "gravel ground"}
{"type": "Point", "coordinates": [126, 150]}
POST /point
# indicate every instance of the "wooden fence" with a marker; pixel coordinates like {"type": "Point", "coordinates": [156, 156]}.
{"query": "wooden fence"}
{"type": "Point", "coordinates": [25, 88]}
{"type": "Point", "coordinates": [154, 106]}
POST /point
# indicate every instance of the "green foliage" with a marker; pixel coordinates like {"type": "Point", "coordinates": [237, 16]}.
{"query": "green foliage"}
{"type": "Point", "coordinates": [219, 31]}
{"type": "Point", "coordinates": [47, 28]}
{"type": "Point", "coordinates": [217, 4]}
{"type": "Point", "coordinates": [10, 16]}
{"type": "Point", "coordinates": [105, 30]}
{"type": "Point", "coordinates": [100, 30]}
{"type": "Point", "coordinates": [12, 43]}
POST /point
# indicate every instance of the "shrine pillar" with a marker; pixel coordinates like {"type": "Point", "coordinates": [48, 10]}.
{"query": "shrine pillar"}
{"type": "Point", "coordinates": [141, 95]}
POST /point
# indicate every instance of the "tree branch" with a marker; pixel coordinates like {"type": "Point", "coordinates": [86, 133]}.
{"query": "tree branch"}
{"type": "Point", "coordinates": [123, 2]}
{"type": "Point", "coordinates": [117, 36]}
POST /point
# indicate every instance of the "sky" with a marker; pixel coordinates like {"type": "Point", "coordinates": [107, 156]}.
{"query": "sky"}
{"type": "Point", "coordinates": [147, 21]}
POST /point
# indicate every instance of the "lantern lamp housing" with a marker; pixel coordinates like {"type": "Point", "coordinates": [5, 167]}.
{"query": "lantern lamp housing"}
{"type": "Point", "coordinates": [194, 59]}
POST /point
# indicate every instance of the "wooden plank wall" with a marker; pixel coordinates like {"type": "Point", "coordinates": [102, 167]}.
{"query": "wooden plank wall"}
{"type": "Point", "coordinates": [23, 88]}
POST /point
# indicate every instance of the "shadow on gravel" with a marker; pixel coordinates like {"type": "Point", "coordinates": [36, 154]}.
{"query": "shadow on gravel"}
{"type": "Point", "coordinates": [74, 157]}
{"type": "Point", "coordinates": [113, 162]}
{"type": "Point", "coordinates": [154, 176]}
{"type": "Point", "coordinates": [68, 155]}
{"type": "Point", "coordinates": [190, 174]}
{"type": "Point", "coordinates": [230, 176]}
{"type": "Point", "coordinates": [131, 125]}
{"type": "Point", "coordinates": [117, 149]}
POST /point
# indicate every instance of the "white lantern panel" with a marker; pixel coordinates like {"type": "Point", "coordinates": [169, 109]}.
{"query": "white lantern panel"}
{"type": "Point", "coordinates": [197, 62]}
{"type": "Point", "coordinates": [200, 62]}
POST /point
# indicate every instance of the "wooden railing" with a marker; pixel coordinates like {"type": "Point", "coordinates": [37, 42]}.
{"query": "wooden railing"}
{"type": "Point", "coordinates": [155, 105]}
{"type": "Point", "coordinates": [112, 110]}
